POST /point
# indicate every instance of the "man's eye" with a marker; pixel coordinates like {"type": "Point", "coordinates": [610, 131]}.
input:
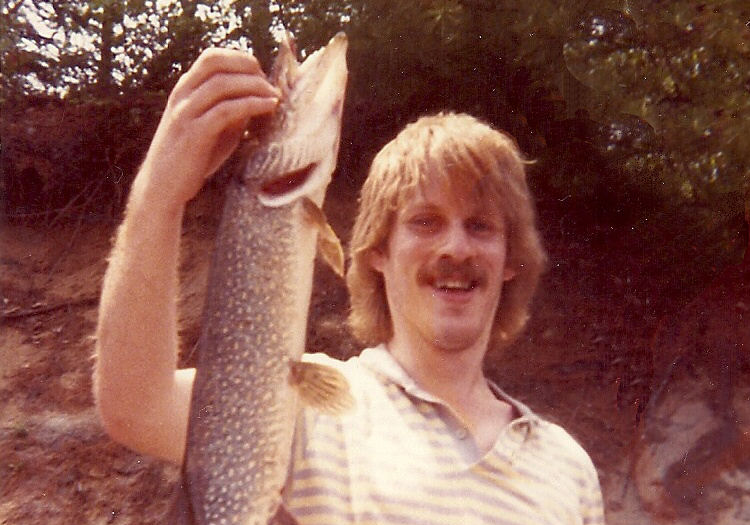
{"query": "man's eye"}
{"type": "Point", "coordinates": [425, 222]}
{"type": "Point", "coordinates": [480, 226]}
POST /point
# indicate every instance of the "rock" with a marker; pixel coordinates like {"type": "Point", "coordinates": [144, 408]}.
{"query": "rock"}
{"type": "Point", "coordinates": [692, 460]}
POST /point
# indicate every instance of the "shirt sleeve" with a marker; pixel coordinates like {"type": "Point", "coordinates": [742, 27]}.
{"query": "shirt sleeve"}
{"type": "Point", "coordinates": [592, 503]}
{"type": "Point", "coordinates": [587, 501]}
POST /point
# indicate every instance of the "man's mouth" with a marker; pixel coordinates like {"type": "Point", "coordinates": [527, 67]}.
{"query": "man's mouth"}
{"type": "Point", "coordinates": [446, 276]}
{"type": "Point", "coordinates": [455, 285]}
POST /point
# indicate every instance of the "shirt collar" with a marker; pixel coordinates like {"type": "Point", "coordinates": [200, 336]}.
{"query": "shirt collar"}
{"type": "Point", "coordinates": [380, 361]}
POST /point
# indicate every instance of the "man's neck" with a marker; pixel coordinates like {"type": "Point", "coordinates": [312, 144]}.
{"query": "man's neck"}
{"type": "Point", "coordinates": [455, 376]}
{"type": "Point", "coordinates": [452, 375]}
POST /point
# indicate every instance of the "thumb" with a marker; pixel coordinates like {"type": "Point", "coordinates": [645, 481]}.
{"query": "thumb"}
{"type": "Point", "coordinates": [226, 143]}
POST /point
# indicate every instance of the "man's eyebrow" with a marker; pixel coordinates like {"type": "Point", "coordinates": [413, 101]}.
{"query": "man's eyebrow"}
{"type": "Point", "coordinates": [418, 207]}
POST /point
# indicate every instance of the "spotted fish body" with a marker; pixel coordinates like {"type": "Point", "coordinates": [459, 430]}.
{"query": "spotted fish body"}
{"type": "Point", "coordinates": [245, 395]}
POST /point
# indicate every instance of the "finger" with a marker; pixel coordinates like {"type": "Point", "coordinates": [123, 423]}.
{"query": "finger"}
{"type": "Point", "coordinates": [225, 144]}
{"type": "Point", "coordinates": [234, 114]}
{"type": "Point", "coordinates": [223, 87]}
{"type": "Point", "coordinates": [216, 60]}
{"type": "Point", "coordinates": [226, 122]}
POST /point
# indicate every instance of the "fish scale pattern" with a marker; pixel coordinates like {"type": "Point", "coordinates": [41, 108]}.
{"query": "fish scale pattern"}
{"type": "Point", "coordinates": [244, 415]}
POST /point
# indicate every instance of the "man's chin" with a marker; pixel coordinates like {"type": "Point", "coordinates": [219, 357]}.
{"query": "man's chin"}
{"type": "Point", "coordinates": [456, 340]}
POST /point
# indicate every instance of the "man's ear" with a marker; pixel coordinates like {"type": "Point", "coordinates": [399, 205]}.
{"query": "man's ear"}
{"type": "Point", "coordinates": [376, 258]}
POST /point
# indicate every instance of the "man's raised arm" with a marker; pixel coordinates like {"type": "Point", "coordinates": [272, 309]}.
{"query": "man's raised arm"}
{"type": "Point", "coordinates": [141, 397]}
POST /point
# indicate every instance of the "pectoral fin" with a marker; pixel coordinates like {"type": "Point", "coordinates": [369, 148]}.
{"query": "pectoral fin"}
{"type": "Point", "coordinates": [322, 387]}
{"type": "Point", "coordinates": [329, 246]}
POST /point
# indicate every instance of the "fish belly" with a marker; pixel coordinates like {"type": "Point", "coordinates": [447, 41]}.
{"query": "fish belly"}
{"type": "Point", "coordinates": [243, 406]}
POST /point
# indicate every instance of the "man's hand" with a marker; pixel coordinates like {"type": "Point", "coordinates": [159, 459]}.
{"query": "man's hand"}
{"type": "Point", "coordinates": [203, 122]}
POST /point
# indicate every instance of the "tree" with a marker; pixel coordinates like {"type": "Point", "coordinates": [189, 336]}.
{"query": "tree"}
{"type": "Point", "coordinates": [102, 69]}
{"type": "Point", "coordinates": [107, 48]}
{"type": "Point", "coordinates": [654, 99]}
{"type": "Point", "coordinates": [684, 69]}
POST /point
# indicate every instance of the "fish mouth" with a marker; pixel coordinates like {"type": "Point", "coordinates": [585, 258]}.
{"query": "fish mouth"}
{"type": "Point", "coordinates": [302, 145]}
{"type": "Point", "coordinates": [289, 182]}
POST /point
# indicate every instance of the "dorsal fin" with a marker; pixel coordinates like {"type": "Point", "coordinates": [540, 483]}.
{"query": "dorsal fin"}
{"type": "Point", "coordinates": [285, 66]}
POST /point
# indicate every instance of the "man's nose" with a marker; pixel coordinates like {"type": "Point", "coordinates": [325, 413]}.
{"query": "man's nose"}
{"type": "Point", "coordinates": [456, 243]}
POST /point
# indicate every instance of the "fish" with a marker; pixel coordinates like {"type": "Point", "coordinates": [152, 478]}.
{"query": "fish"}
{"type": "Point", "coordinates": [250, 380]}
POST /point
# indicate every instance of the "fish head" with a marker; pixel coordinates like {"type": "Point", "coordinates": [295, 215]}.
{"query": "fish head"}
{"type": "Point", "coordinates": [296, 154]}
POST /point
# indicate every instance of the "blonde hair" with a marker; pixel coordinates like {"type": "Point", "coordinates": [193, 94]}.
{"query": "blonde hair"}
{"type": "Point", "coordinates": [460, 150]}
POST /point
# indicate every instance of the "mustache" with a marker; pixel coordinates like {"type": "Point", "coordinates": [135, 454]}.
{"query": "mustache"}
{"type": "Point", "coordinates": [447, 267]}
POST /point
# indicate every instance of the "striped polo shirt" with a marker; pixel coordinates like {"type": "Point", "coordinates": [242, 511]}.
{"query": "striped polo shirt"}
{"type": "Point", "coordinates": [400, 457]}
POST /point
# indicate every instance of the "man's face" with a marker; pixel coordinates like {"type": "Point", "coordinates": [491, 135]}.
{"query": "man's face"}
{"type": "Point", "coordinates": [444, 267]}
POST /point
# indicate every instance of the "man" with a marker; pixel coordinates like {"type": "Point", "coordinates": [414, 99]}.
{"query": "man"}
{"type": "Point", "coordinates": [445, 258]}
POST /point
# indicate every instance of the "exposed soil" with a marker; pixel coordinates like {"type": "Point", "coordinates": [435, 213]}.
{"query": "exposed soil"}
{"type": "Point", "coordinates": [584, 361]}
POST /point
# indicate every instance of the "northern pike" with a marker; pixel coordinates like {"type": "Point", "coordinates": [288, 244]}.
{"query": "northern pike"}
{"type": "Point", "coordinates": [249, 376]}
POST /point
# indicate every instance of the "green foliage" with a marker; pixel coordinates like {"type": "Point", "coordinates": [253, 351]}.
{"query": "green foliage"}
{"type": "Point", "coordinates": [686, 71]}
{"type": "Point", "coordinates": [635, 110]}
{"type": "Point", "coordinates": [106, 48]}
{"type": "Point", "coordinates": [684, 68]}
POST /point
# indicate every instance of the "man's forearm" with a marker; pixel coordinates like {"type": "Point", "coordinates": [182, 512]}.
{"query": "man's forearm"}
{"type": "Point", "coordinates": [135, 381]}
